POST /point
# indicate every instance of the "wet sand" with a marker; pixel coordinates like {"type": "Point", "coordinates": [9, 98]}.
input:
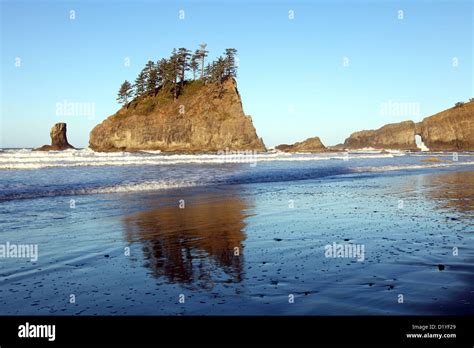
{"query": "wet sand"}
{"type": "Point", "coordinates": [248, 249]}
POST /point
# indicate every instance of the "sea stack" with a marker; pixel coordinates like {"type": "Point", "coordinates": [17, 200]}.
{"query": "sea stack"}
{"type": "Point", "coordinates": [399, 136]}
{"type": "Point", "coordinates": [58, 139]}
{"type": "Point", "coordinates": [448, 130]}
{"type": "Point", "coordinates": [206, 117]}
{"type": "Point", "coordinates": [309, 145]}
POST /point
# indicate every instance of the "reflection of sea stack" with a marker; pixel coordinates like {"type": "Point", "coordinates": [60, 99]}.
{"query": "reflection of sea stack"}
{"type": "Point", "coordinates": [188, 245]}
{"type": "Point", "coordinates": [58, 139]}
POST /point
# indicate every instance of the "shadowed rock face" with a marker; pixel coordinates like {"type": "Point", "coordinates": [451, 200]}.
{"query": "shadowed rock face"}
{"type": "Point", "coordinates": [391, 136]}
{"type": "Point", "coordinates": [58, 139]}
{"type": "Point", "coordinates": [449, 130]}
{"type": "Point", "coordinates": [205, 118]}
{"type": "Point", "coordinates": [309, 145]}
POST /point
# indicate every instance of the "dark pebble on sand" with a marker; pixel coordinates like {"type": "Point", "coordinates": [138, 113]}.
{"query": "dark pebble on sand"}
{"type": "Point", "coordinates": [106, 255]}
{"type": "Point", "coordinates": [441, 267]}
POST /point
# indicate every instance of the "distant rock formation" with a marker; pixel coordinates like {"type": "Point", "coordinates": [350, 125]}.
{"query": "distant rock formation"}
{"type": "Point", "coordinates": [205, 118]}
{"type": "Point", "coordinates": [309, 145]}
{"type": "Point", "coordinates": [58, 139]}
{"type": "Point", "coordinates": [337, 148]}
{"type": "Point", "coordinates": [449, 130]}
{"type": "Point", "coordinates": [399, 136]}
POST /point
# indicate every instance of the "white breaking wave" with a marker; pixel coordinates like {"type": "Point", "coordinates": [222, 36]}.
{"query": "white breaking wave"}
{"type": "Point", "coordinates": [411, 166]}
{"type": "Point", "coordinates": [122, 188]}
{"type": "Point", "coordinates": [143, 186]}
{"type": "Point", "coordinates": [27, 159]}
{"type": "Point", "coordinates": [422, 147]}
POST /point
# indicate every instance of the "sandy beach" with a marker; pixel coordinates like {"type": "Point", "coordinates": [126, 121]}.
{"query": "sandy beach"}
{"type": "Point", "coordinates": [250, 247]}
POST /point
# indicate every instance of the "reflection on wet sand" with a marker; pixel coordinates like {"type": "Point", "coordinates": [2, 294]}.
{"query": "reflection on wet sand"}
{"type": "Point", "coordinates": [452, 190]}
{"type": "Point", "coordinates": [194, 245]}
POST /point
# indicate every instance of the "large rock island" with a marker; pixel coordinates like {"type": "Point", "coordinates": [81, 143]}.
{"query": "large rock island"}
{"type": "Point", "coordinates": [449, 130]}
{"type": "Point", "coordinates": [204, 118]}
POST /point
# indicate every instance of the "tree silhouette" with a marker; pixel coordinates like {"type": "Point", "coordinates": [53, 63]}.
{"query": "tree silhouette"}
{"type": "Point", "coordinates": [194, 64]}
{"type": "Point", "coordinates": [150, 65]}
{"type": "Point", "coordinates": [169, 74]}
{"type": "Point", "coordinates": [230, 68]}
{"type": "Point", "coordinates": [140, 84]}
{"type": "Point", "coordinates": [174, 71]}
{"type": "Point", "coordinates": [152, 82]}
{"type": "Point", "coordinates": [125, 92]}
{"type": "Point", "coordinates": [183, 63]}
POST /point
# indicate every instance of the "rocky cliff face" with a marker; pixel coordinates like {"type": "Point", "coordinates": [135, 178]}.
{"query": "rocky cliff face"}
{"type": "Point", "coordinates": [309, 145]}
{"type": "Point", "coordinates": [391, 136]}
{"type": "Point", "coordinates": [449, 130]}
{"type": "Point", "coordinates": [205, 118]}
{"type": "Point", "coordinates": [58, 139]}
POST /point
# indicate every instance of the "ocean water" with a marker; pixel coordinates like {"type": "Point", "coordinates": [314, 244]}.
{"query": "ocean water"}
{"type": "Point", "coordinates": [148, 233]}
{"type": "Point", "coordinates": [27, 174]}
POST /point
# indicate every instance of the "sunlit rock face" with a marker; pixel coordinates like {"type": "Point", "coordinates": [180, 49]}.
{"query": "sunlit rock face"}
{"type": "Point", "coordinates": [391, 136]}
{"type": "Point", "coordinates": [205, 118]}
{"type": "Point", "coordinates": [449, 130]}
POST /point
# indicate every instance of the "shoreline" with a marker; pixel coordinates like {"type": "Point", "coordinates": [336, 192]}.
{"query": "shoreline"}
{"type": "Point", "coordinates": [281, 249]}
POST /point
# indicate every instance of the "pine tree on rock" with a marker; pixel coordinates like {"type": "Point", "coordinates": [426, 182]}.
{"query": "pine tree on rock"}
{"type": "Point", "coordinates": [202, 53]}
{"type": "Point", "coordinates": [183, 63]}
{"type": "Point", "coordinates": [163, 68]}
{"type": "Point", "coordinates": [140, 84]}
{"type": "Point", "coordinates": [150, 65]}
{"type": "Point", "coordinates": [230, 67]}
{"type": "Point", "coordinates": [208, 73]}
{"type": "Point", "coordinates": [194, 64]}
{"type": "Point", "coordinates": [152, 81]}
{"type": "Point", "coordinates": [169, 74]}
{"type": "Point", "coordinates": [125, 92]}
{"type": "Point", "coordinates": [174, 71]}
{"type": "Point", "coordinates": [219, 70]}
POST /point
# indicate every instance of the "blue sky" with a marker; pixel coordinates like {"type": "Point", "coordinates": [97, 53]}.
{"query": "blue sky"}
{"type": "Point", "coordinates": [331, 70]}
